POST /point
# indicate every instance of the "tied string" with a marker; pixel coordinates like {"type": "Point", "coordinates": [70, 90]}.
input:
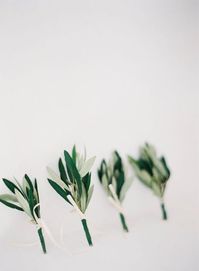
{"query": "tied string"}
{"type": "Point", "coordinates": [76, 208]}
{"type": "Point", "coordinates": [81, 215]}
{"type": "Point", "coordinates": [114, 200]}
{"type": "Point", "coordinates": [41, 225]}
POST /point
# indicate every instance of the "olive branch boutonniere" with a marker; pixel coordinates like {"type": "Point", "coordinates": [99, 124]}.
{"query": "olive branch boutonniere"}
{"type": "Point", "coordinates": [115, 183]}
{"type": "Point", "coordinates": [152, 171]}
{"type": "Point", "coordinates": [25, 198]}
{"type": "Point", "coordinates": [74, 183]}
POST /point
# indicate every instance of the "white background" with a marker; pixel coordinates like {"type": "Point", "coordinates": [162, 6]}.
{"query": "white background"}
{"type": "Point", "coordinates": [104, 74]}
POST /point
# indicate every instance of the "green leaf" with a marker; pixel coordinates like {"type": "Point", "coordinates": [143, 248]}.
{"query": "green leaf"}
{"type": "Point", "coordinates": [57, 179]}
{"type": "Point", "coordinates": [87, 166]}
{"type": "Point", "coordinates": [11, 205]}
{"type": "Point", "coordinates": [145, 177]}
{"type": "Point", "coordinates": [105, 183]}
{"type": "Point", "coordinates": [120, 182]}
{"type": "Point", "coordinates": [165, 166]}
{"type": "Point", "coordinates": [36, 192]}
{"type": "Point", "coordinates": [29, 182]}
{"type": "Point", "coordinates": [62, 171]}
{"type": "Point", "coordinates": [23, 203]}
{"type": "Point", "coordinates": [11, 186]}
{"type": "Point", "coordinates": [90, 193]}
{"type": "Point", "coordinates": [8, 197]}
{"type": "Point", "coordinates": [59, 190]}
{"type": "Point", "coordinates": [73, 170]}
{"type": "Point", "coordinates": [83, 199]}
{"type": "Point", "coordinates": [20, 187]}
{"type": "Point", "coordinates": [86, 181]}
{"type": "Point", "coordinates": [25, 185]}
{"type": "Point", "coordinates": [31, 200]}
{"type": "Point", "coordinates": [74, 154]}
{"type": "Point", "coordinates": [79, 161]}
{"type": "Point", "coordinates": [125, 188]}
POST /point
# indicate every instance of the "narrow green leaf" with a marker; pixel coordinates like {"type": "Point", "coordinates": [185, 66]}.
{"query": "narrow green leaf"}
{"type": "Point", "coordinates": [59, 190]}
{"type": "Point", "coordinates": [120, 182]}
{"type": "Point", "coordinates": [74, 154]}
{"type": "Point", "coordinates": [11, 205]}
{"type": "Point", "coordinates": [165, 166]}
{"type": "Point", "coordinates": [31, 200]}
{"type": "Point", "coordinates": [86, 181]}
{"type": "Point", "coordinates": [29, 182]}
{"type": "Point", "coordinates": [8, 197]}
{"type": "Point", "coordinates": [23, 203]}
{"type": "Point", "coordinates": [25, 185]}
{"type": "Point", "coordinates": [125, 188]}
{"type": "Point", "coordinates": [36, 190]}
{"type": "Point", "coordinates": [62, 171]}
{"type": "Point", "coordinates": [72, 168]}
{"type": "Point", "coordinates": [11, 186]}
{"type": "Point", "coordinates": [57, 179]}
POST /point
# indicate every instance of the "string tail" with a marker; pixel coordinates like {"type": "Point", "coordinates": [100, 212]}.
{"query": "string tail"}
{"type": "Point", "coordinates": [164, 212]}
{"type": "Point", "coordinates": [123, 221]}
{"type": "Point", "coordinates": [87, 233]}
{"type": "Point", "coordinates": [42, 241]}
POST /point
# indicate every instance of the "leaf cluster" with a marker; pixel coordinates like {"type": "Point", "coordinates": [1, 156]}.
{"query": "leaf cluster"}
{"type": "Point", "coordinates": [23, 197]}
{"type": "Point", "coordinates": [150, 169]}
{"type": "Point", "coordinates": [74, 178]}
{"type": "Point", "coordinates": [113, 173]}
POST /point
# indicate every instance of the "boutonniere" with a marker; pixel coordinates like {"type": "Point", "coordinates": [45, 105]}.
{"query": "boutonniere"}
{"type": "Point", "coordinates": [25, 198]}
{"type": "Point", "coordinates": [152, 171]}
{"type": "Point", "coordinates": [74, 183]}
{"type": "Point", "coordinates": [115, 183]}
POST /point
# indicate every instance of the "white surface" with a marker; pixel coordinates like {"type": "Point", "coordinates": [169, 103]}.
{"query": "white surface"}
{"type": "Point", "coordinates": [104, 74]}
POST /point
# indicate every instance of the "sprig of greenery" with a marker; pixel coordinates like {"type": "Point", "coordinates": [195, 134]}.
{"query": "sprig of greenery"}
{"type": "Point", "coordinates": [152, 171]}
{"type": "Point", "coordinates": [25, 198]}
{"type": "Point", "coordinates": [74, 183]}
{"type": "Point", "coordinates": [113, 180]}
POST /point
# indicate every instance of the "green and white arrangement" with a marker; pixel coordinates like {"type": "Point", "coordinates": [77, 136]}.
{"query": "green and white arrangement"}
{"type": "Point", "coordinates": [25, 198]}
{"type": "Point", "coordinates": [152, 171]}
{"type": "Point", "coordinates": [115, 183]}
{"type": "Point", "coordinates": [74, 183]}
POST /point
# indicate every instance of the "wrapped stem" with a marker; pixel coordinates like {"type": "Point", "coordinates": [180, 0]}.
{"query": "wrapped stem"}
{"type": "Point", "coordinates": [42, 241]}
{"type": "Point", "coordinates": [87, 233]}
{"type": "Point", "coordinates": [123, 221]}
{"type": "Point", "coordinates": [164, 213]}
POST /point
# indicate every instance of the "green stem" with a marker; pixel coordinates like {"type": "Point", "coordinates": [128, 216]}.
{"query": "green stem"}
{"type": "Point", "coordinates": [164, 213]}
{"type": "Point", "coordinates": [87, 233]}
{"type": "Point", "coordinates": [123, 221]}
{"type": "Point", "coordinates": [42, 241]}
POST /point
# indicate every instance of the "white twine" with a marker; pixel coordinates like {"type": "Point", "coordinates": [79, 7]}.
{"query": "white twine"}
{"type": "Point", "coordinates": [161, 200]}
{"type": "Point", "coordinates": [41, 225]}
{"type": "Point", "coordinates": [82, 215]}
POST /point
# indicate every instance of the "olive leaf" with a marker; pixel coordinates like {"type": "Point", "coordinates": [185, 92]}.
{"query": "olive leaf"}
{"type": "Point", "coordinates": [74, 182]}
{"type": "Point", "coordinates": [24, 198]}
{"type": "Point", "coordinates": [113, 179]}
{"type": "Point", "coordinates": [87, 166]}
{"type": "Point", "coordinates": [152, 171]}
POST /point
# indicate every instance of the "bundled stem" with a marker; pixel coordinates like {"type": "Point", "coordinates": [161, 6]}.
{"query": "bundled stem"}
{"type": "Point", "coordinates": [87, 233]}
{"type": "Point", "coordinates": [123, 221]}
{"type": "Point", "coordinates": [42, 241]}
{"type": "Point", "coordinates": [164, 213]}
